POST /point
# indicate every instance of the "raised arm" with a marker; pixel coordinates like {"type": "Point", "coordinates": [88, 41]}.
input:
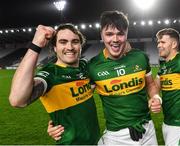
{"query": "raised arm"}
{"type": "Point", "coordinates": [25, 89]}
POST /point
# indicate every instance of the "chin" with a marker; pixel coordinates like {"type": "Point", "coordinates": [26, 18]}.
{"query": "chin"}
{"type": "Point", "coordinates": [72, 62]}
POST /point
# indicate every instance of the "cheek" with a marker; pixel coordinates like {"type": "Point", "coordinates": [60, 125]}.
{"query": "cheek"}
{"type": "Point", "coordinates": [106, 40]}
{"type": "Point", "coordinates": [123, 39]}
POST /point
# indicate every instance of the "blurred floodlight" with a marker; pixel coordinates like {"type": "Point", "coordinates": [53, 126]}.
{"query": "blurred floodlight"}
{"type": "Point", "coordinates": [143, 23]}
{"type": "Point", "coordinates": [166, 21]}
{"type": "Point", "coordinates": [90, 25]}
{"type": "Point", "coordinates": [175, 21]}
{"type": "Point", "coordinates": [83, 26]}
{"type": "Point", "coordinates": [55, 27]}
{"type": "Point", "coordinates": [29, 29]}
{"type": "Point", "coordinates": [150, 22]}
{"type": "Point", "coordinates": [97, 25]}
{"type": "Point", "coordinates": [60, 5]}
{"type": "Point", "coordinates": [144, 4]}
{"type": "Point", "coordinates": [159, 22]}
{"type": "Point", "coordinates": [134, 23]}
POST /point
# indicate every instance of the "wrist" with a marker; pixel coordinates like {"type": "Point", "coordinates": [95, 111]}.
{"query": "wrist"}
{"type": "Point", "coordinates": [158, 97]}
{"type": "Point", "coordinates": [34, 47]}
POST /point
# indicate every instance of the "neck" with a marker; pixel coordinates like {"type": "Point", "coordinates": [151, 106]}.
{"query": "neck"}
{"type": "Point", "coordinates": [124, 52]}
{"type": "Point", "coordinates": [62, 64]}
{"type": "Point", "coordinates": [171, 55]}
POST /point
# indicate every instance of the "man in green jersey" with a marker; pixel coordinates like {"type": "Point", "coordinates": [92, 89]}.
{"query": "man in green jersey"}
{"type": "Point", "coordinates": [168, 79]}
{"type": "Point", "coordinates": [122, 75]}
{"type": "Point", "coordinates": [63, 87]}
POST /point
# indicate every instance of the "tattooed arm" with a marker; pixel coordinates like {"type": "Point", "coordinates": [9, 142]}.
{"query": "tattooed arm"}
{"type": "Point", "coordinates": [25, 89]}
{"type": "Point", "coordinates": [37, 91]}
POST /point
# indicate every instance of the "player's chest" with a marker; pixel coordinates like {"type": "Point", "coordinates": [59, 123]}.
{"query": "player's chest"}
{"type": "Point", "coordinates": [113, 69]}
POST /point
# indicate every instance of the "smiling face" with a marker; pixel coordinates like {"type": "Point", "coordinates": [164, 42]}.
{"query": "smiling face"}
{"type": "Point", "coordinates": [68, 48]}
{"type": "Point", "coordinates": [166, 47]}
{"type": "Point", "coordinates": [114, 40]}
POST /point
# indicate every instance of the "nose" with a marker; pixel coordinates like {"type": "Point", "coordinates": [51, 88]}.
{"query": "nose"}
{"type": "Point", "coordinates": [159, 45]}
{"type": "Point", "coordinates": [115, 38]}
{"type": "Point", "coordinates": [69, 46]}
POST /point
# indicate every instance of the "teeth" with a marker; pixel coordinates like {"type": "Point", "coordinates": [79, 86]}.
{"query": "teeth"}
{"type": "Point", "coordinates": [69, 53]}
{"type": "Point", "coordinates": [115, 45]}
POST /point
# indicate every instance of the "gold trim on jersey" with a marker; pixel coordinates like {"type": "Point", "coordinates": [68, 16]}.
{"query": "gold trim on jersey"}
{"type": "Point", "coordinates": [122, 85]}
{"type": "Point", "coordinates": [66, 95]}
{"type": "Point", "coordinates": [170, 81]}
{"type": "Point", "coordinates": [61, 65]}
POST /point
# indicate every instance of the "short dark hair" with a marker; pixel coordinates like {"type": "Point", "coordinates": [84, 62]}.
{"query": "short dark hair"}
{"type": "Point", "coordinates": [168, 31]}
{"type": "Point", "coordinates": [115, 19]}
{"type": "Point", "coordinates": [72, 28]}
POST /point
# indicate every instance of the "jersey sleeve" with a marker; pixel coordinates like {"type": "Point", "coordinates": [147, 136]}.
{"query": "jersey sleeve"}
{"type": "Point", "coordinates": [45, 76]}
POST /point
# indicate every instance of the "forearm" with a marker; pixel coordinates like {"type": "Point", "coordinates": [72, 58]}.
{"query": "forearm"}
{"type": "Point", "coordinates": [24, 88]}
{"type": "Point", "coordinates": [153, 91]}
{"type": "Point", "coordinates": [151, 87]}
{"type": "Point", "coordinates": [157, 82]}
{"type": "Point", "coordinates": [23, 81]}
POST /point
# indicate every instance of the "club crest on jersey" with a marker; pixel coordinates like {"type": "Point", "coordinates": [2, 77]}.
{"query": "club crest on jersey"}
{"type": "Point", "coordinates": [137, 68]}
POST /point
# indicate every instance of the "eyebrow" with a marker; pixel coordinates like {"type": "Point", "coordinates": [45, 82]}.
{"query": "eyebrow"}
{"type": "Point", "coordinates": [65, 40]}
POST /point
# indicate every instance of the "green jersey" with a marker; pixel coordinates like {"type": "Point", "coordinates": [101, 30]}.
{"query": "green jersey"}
{"type": "Point", "coordinates": [69, 101]}
{"type": "Point", "coordinates": [169, 73]}
{"type": "Point", "coordinates": [121, 85]}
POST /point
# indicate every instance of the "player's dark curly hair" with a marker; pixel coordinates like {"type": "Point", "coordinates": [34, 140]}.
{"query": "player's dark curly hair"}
{"type": "Point", "coordinates": [115, 19]}
{"type": "Point", "coordinates": [72, 28]}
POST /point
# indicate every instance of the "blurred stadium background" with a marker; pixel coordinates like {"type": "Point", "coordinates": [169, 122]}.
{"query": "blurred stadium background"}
{"type": "Point", "coordinates": [28, 126]}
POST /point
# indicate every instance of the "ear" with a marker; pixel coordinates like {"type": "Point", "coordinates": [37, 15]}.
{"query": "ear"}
{"type": "Point", "coordinates": [174, 44]}
{"type": "Point", "coordinates": [55, 49]}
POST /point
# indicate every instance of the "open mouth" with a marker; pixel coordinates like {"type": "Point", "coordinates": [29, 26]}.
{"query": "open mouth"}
{"type": "Point", "coordinates": [70, 53]}
{"type": "Point", "coordinates": [115, 47]}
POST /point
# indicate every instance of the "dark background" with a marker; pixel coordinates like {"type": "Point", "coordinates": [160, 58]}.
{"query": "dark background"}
{"type": "Point", "coordinates": [20, 13]}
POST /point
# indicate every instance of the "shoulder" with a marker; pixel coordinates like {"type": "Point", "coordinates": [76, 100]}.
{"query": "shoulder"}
{"type": "Point", "coordinates": [46, 70]}
{"type": "Point", "coordinates": [138, 55]}
{"type": "Point", "coordinates": [83, 63]}
{"type": "Point", "coordinates": [138, 52]}
{"type": "Point", "coordinates": [96, 58]}
{"type": "Point", "coordinates": [178, 59]}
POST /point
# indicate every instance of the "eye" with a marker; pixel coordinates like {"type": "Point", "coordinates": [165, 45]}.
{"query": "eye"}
{"type": "Point", "coordinates": [109, 34]}
{"type": "Point", "coordinates": [76, 41]}
{"type": "Point", "coordinates": [121, 33]}
{"type": "Point", "coordinates": [63, 42]}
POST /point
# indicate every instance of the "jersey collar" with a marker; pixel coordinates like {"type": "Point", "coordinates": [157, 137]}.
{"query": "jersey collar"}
{"type": "Point", "coordinates": [174, 56]}
{"type": "Point", "coordinates": [61, 65]}
{"type": "Point", "coordinates": [105, 53]}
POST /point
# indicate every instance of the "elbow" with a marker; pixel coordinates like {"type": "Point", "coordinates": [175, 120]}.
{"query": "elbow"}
{"type": "Point", "coordinates": [14, 102]}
